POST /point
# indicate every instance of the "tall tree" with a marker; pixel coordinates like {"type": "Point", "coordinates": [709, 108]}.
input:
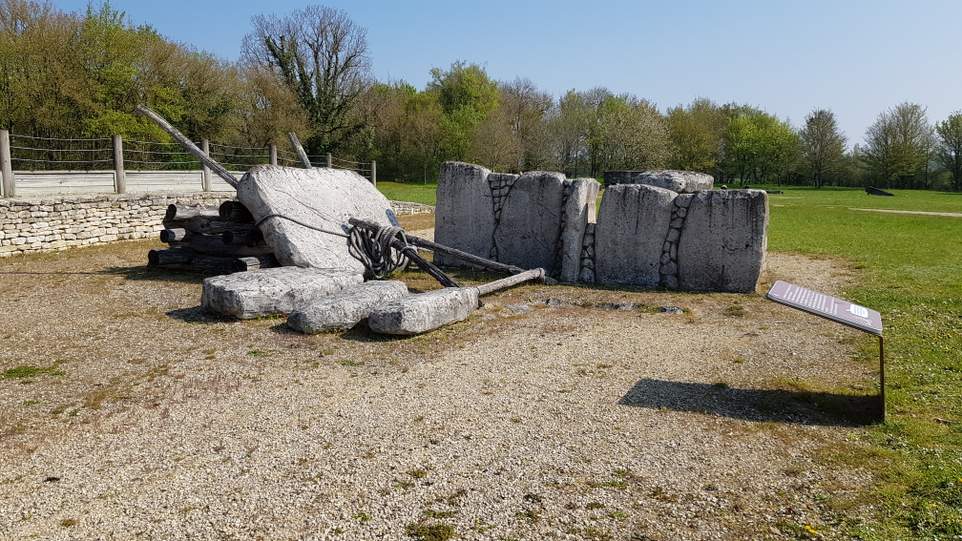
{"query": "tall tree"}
{"type": "Point", "coordinates": [467, 96]}
{"type": "Point", "coordinates": [823, 145]}
{"type": "Point", "coordinates": [898, 147]}
{"type": "Point", "coordinates": [696, 133]}
{"type": "Point", "coordinates": [321, 55]}
{"type": "Point", "coordinates": [949, 149]}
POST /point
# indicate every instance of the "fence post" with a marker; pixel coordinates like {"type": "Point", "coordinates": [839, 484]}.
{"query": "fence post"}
{"type": "Point", "coordinates": [205, 178]}
{"type": "Point", "coordinates": [273, 150]}
{"type": "Point", "coordinates": [374, 172]}
{"type": "Point", "coordinates": [120, 177]}
{"type": "Point", "coordinates": [9, 183]}
{"type": "Point", "coordinates": [330, 160]}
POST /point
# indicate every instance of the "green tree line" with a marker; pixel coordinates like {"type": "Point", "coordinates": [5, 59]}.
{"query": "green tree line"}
{"type": "Point", "coordinates": [309, 71]}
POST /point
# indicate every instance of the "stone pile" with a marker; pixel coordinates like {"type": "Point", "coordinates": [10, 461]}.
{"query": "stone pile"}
{"type": "Point", "coordinates": [655, 228]}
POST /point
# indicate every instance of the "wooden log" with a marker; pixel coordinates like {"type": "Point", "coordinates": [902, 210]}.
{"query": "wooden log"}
{"type": "Point", "coordinates": [214, 226]}
{"type": "Point", "coordinates": [255, 263]}
{"type": "Point", "coordinates": [179, 213]}
{"type": "Point", "coordinates": [511, 281]}
{"type": "Point", "coordinates": [254, 237]}
{"type": "Point", "coordinates": [296, 143]}
{"type": "Point", "coordinates": [173, 235]}
{"type": "Point", "coordinates": [234, 211]}
{"type": "Point", "coordinates": [189, 145]}
{"type": "Point", "coordinates": [214, 245]}
{"type": "Point", "coordinates": [170, 256]}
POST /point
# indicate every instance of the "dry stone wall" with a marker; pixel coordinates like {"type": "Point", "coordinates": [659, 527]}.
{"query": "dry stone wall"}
{"type": "Point", "coordinates": [56, 223]}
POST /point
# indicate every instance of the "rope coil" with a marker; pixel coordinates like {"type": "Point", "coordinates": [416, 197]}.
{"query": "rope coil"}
{"type": "Point", "coordinates": [374, 250]}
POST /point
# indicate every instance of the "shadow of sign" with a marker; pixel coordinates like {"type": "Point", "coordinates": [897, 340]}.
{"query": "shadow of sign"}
{"type": "Point", "coordinates": [778, 405]}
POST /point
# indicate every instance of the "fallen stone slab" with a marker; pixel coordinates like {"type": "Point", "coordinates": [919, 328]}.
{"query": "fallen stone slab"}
{"type": "Point", "coordinates": [630, 234]}
{"type": "Point", "coordinates": [723, 241]}
{"type": "Point", "coordinates": [464, 216]}
{"type": "Point", "coordinates": [579, 211]}
{"type": "Point", "coordinates": [529, 230]}
{"type": "Point", "coordinates": [669, 179]}
{"type": "Point", "coordinates": [280, 290]}
{"type": "Point", "coordinates": [321, 198]}
{"type": "Point", "coordinates": [345, 309]}
{"type": "Point", "coordinates": [415, 314]}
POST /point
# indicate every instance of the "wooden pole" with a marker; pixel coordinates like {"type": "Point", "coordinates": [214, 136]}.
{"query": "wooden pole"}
{"type": "Point", "coordinates": [205, 171]}
{"type": "Point", "coordinates": [511, 281]}
{"type": "Point", "coordinates": [330, 161]}
{"type": "Point", "coordinates": [189, 146]}
{"type": "Point", "coordinates": [120, 177]}
{"type": "Point", "coordinates": [296, 143]}
{"type": "Point", "coordinates": [272, 148]}
{"type": "Point", "coordinates": [374, 172]}
{"type": "Point", "coordinates": [6, 165]}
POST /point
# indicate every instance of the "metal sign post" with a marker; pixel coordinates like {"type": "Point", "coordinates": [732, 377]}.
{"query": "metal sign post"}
{"type": "Point", "coordinates": [839, 311]}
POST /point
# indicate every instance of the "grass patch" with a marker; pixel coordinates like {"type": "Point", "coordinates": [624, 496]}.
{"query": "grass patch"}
{"type": "Point", "coordinates": [437, 531]}
{"type": "Point", "coordinates": [910, 269]}
{"type": "Point", "coordinates": [415, 192]}
{"type": "Point", "coordinates": [27, 371]}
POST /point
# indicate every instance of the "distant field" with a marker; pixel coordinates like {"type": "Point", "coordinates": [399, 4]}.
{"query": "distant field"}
{"type": "Point", "coordinates": [400, 191]}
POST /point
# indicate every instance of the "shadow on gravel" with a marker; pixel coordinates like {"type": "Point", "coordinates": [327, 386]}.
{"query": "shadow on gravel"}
{"type": "Point", "coordinates": [145, 273]}
{"type": "Point", "coordinates": [777, 405]}
{"type": "Point", "coordinates": [195, 314]}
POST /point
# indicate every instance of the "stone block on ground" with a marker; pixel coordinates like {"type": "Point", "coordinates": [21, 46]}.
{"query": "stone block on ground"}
{"type": "Point", "coordinates": [280, 290]}
{"type": "Point", "coordinates": [723, 241]}
{"type": "Point", "coordinates": [579, 210]}
{"type": "Point", "coordinates": [464, 216]}
{"type": "Point", "coordinates": [344, 309]}
{"type": "Point", "coordinates": [630, 234]}
{"type": "Point", "coordinates": [669, 179]}
{"type": "Point", "coordinates": [323, 198]}
{"type": "Point", "coordinates": [415, 314]}
{"type": "Point", "coordinates": [529, 232]}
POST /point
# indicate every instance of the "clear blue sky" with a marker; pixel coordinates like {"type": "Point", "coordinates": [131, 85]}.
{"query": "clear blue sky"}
{"type": "Point", "coordinates": [855, 57]}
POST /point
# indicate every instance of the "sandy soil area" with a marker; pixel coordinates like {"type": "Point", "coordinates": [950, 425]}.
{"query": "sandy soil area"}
{"type": "Point", "coordinates": [552, 413]}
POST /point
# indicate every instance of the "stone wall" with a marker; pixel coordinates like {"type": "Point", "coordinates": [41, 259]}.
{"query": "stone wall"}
{"type": "Point", "coordinates": [56, 223]}
{"type": "Point", "coordinates": [645, 235]}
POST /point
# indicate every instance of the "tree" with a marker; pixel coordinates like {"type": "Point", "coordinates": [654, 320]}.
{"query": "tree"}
{"type": "Point", "coordinates": [757, 146]}
{"type": "Point", "coordinates": [823, 145]}
{"type": "Point", "coordinates": [321, 56]}
{"type": "Point", "coordinates": [949, 149]}
{"type": "Point", "coordinates": [696, 134]}
{"type": "Point", "coordinates": [898, 147]}
{"type": "Point", "coordinates": [467, 96]}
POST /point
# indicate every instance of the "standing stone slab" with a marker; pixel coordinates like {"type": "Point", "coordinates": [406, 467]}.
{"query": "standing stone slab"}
{"type": "Point", "coordinates": [324, 198]}
{"type": "Point", "coordinates": [529, 232]}
{"type": "Point", "coordinates": [670, 179]}
{"type": "Point", "coordinates": [345, 309]}
{"type": "Point", "coordinates": [280, 290]}
{"type": "Point", "coordinates": [579, 211]}
{"type": "Point", "coordinates": [722, 246]}
{"type": "Point", "coordinates": [415, 314]}
{"type": "Point", "coordinates": [630, 234]}
{"type": "Point", "coordinates": [464, 216]}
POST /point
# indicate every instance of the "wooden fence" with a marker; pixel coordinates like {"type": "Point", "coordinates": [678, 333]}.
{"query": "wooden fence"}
{"type": "Point", "coordinates": [36, 166]}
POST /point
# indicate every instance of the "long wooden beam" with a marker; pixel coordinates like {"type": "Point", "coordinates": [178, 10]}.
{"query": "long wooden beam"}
{"type": "Point", "coordinates": [189, 145]}
{"type": "Point", "coordinates": [296, 143]}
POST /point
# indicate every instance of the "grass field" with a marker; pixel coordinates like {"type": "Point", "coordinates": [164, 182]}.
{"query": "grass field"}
{"type": "Point", "coordinates": [910, 269]}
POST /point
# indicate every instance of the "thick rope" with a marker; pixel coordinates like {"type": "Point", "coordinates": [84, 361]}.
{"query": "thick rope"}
{"type": "Point", "coordinates": [372, 249]}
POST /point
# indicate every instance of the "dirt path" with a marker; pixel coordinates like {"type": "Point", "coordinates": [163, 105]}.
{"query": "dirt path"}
{"type": "Point", "coordinates": [554, 412]}
{"type": "Point", "coordinates": [912, 212]}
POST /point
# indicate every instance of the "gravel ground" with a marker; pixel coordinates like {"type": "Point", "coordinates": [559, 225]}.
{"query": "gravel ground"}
{"type": "Point", "coordinates": [552, 413]}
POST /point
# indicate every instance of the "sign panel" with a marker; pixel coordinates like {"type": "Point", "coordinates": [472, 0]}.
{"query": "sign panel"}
{"type": "Point", "coordinates": [827, 306]}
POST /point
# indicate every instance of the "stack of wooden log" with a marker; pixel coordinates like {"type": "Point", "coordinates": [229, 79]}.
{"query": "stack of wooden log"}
{"type": "Point", "coordinates": [211, 240]}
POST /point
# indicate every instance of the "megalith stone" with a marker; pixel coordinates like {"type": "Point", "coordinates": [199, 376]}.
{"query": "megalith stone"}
{"type": "Point", "coordinates": [723, 241]}
{"type": "Point", "coordinates": [322, 198]}
{"type": "Point", "coordinates": [529, 231]}
{"type": "Point", "coordinates": [464, 216]}
{"type": "Point", "coordinates": [579, 210]}
{"type": "Point", "coordinates": [415, 314]}
{"type": "Point", "coordinates": [670, 179]}
{"type": "Point", "coordinates": [279, 290]}
{"type": "Point", "coordinates": [344, 309]}
{"type": "Point", "coordinates": [631, 231]}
